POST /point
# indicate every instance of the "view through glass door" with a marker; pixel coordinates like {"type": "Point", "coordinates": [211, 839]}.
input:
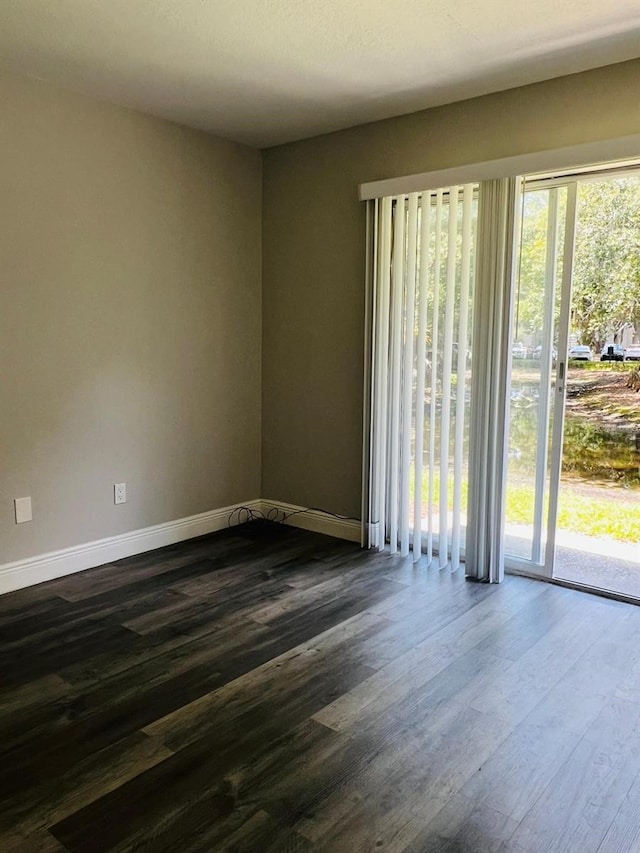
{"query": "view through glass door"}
{"type": "Point", "coordinates": [573, 483]}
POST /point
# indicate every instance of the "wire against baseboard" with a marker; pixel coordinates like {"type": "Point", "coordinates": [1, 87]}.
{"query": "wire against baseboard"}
{"type": "Point", "coordinates": [243, 514]}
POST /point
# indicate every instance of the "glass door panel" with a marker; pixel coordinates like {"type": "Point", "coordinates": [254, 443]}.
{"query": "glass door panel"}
{"type": "Point", "coordinates": [597, 530]}
{"type": "Point", "coordinates": [537, 392]}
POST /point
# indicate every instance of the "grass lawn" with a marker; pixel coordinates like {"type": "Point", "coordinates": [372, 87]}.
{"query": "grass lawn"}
{"type": "Point", "coordinates": [596, 516]}
{"type": "Point", "coordinates": [579, 513]}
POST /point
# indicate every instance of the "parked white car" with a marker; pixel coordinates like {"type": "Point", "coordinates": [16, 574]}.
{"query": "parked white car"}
{"type": "Point", "coordinates": [581, 353]}
{"type": "Point", "coordinates": [632, 353]}
{"type": "Point", "coordinates": [537, 354]}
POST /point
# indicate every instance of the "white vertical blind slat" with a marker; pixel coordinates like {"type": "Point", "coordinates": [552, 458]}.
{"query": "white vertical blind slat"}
{"type": "Point", "coordinates": [381, 371]}
{"type": "Point", "coordinates": [397, 311]}
{"type": "Point", "coordinates": [461, 385]}
{"type": "Point", "coordinates": [421, 355]}
{"type": "Point", "coordinates": [434, 371]}
{"type": "Point", "coordinates": [447, 356]}
{"type": "Point", "coordinates": [373, 214]}
{"type": "Point", "coordinates": [407, 378]}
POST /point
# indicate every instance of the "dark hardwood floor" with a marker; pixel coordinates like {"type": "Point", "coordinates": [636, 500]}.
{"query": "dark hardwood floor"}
{"type": "Point", "coordinates": [268, 689]}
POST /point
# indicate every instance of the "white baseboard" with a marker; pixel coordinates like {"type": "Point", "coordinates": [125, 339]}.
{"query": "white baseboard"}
{"type": "Point", "coordinates": [57, 564]}
{"type": "Point", "coordinates": [313, 519]}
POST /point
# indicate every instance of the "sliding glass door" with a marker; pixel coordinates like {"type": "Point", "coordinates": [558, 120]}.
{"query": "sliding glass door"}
{"type": "Point", "coordinates": [572, 498]}
{"type": "Point", "coordinates": [480, 353]}
{"type": "Point", "coordinates": [538, 371]}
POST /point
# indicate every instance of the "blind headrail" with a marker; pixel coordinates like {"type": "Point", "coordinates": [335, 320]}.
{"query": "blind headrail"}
{"type": "Point", "coordinates": [555, 161]}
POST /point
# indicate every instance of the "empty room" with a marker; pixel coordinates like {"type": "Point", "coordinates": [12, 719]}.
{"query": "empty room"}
{"type": "Point", "coordinates": [319, 426]}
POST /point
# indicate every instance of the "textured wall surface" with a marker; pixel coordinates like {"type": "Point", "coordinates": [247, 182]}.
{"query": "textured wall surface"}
{"type": "Point", "coordinates": [130, 319]}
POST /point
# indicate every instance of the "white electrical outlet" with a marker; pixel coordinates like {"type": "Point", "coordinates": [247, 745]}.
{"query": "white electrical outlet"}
{"type": "Point", "coordinates": [120, 493]}
{"type": "Point", "coordinates": [22, 508]}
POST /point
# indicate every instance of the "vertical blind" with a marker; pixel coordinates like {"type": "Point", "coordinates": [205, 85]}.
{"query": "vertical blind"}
{"type": "Point", "coordinates": [420, 371]}
{"type": "Point", "coordinates": [489, 428]}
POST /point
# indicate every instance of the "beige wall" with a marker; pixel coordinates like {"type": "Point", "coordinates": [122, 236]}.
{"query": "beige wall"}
{"type": "Point", "coordinates": [130, 319]}
{"type": "Point", "coordinates": [314, 249]}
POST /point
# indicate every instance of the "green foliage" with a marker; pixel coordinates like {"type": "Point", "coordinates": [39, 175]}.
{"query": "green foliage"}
{"type": "Point", "coordinates": [532, 262]}
{"type": "Point", "coordinates": [596, 366]}
{"type": "Point", "coordinates": [606, 275]}
{"type": "Point", "coordinates": [606, 289]}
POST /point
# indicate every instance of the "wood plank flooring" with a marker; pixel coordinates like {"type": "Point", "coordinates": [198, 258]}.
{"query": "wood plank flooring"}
{"type": "Point", "coordinates": [269, 689]}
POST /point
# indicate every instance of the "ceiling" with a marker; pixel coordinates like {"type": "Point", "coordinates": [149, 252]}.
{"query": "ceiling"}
{"type": "Point", "coordinates": [270, 71]}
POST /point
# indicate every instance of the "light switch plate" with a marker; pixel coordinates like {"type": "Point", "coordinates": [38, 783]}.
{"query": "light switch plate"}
{"type": "Point", "coordinates": [23, 510]}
